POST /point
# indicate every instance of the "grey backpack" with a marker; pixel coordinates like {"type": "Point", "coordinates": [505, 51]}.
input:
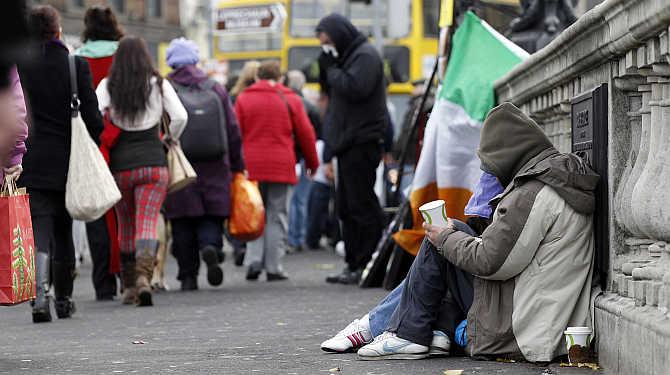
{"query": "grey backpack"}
{"type": "Point", "coordinates": [205, 137]}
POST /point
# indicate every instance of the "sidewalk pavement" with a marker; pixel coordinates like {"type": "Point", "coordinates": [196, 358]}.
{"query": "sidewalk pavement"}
{"type": "Point", "coordinates": [239, 328]}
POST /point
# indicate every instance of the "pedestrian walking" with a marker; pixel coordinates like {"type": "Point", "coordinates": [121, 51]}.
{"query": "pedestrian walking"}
{"type": "Point", "coordinates": [212, 144]}
{"type": "Point", "coordinates": [352, 76]}
{"type": "Point", "coordinates": [246, 78]}
{"type": "Point", "coordinates": [297, 212]}
{"type": "Point", "coordinates": [101, 39]}
{"type": "Point", "coordinates": [272, 119]}
{"type": "Point", "coordinates": [46, 81]}
{"type": "Point", "coordinates": [135, 97]}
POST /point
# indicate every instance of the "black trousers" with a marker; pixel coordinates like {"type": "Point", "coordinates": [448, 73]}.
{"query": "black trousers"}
{"type": "Point", "coordinates": [99, 245]}
{"type": "Point", "coordinates": [189, 236]}
{"type": "Point", "coordinates": [52, 229]}
{"type": "Point", "coordinates": [357, 204]}
{"type": "Point", "coordinates": [437, 295]}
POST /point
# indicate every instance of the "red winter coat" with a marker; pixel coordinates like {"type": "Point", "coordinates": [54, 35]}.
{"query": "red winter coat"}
{"type": "Point", "coordinates": [269, 132]}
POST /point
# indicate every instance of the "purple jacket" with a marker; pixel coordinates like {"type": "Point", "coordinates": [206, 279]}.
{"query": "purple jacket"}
{"type": "Point", "coordinates": [210, 195]}
{"type": "Point", "coordinates": [15, 157]}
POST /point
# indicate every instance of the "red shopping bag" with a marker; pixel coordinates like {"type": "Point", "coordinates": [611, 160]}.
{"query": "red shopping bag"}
{"type": "Point", "coordinates": [17, 247]}
{"type": "Point", "coordinates": [247, 213]}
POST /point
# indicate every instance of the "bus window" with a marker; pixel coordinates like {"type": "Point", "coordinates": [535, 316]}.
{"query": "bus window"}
{"type": "Point", "coordinates": [396, 62]}
{"type": "Point", "coordinates": [305, 16]}
{"type": "Point", "coordinates": [249, 42]}
{"type": "Point", "coordinates": [305, 60]}
{"type": "Point", "coordinates": [431, 8]}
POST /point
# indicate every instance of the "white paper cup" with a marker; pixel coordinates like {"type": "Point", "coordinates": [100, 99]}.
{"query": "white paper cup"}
{"type": "Point", "coordinates": [578, 336]}
{"type": "Point", "coordinates": [434, 213]}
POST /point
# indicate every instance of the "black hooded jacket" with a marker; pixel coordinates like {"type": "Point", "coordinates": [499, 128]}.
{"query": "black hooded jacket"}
{"type": "Point", "coordinates": [355, 85]}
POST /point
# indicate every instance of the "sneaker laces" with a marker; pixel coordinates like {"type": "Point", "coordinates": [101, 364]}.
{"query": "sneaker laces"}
{"type": "Point", "coordinates": [352, 328]}
{"type": "Point", "coordinates": [384, 336]}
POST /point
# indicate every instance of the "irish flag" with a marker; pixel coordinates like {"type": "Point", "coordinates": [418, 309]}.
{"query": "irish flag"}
{"type": "Point", "coordinates": [448, 168]}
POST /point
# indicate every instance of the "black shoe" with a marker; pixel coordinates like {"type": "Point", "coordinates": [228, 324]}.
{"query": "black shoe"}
{"type": "Point", "coordinates": [239, 254]}
{"type": "Point", "coordinates": [104, 297]}
{"type": "Point", "coordinates": [276, 276]}
{"type": "Point", "coordinates": [214, 271]}
{"type": "Point", "coordinates": [42, 314]}
{"type": "Point", "coordinates": [65, 308]}
{"type": "Point", "coordinates": [42, 302]}
{"type": "Point", "coordinates": [254, 271]}
{"type": "Point", "coordinates": [189, 283]}
{"type": "Point", "coordinates": [347, 277]}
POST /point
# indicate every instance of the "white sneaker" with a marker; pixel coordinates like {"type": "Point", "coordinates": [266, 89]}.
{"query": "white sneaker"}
{"type": "Point", "coordinates": [390, 346]}
{"type": "Point", "coordinates": [351, 338]}
{"type": "Point", "coordinates": [440, 345]}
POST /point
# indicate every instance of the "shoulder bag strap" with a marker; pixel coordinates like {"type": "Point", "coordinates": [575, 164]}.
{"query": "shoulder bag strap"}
{"type": "Point", "coordinates": [288, 106]}
{"type": "Point", "coordinates": [74, 102]}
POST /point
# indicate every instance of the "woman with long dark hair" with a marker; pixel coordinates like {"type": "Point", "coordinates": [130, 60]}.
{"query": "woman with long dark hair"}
{"type": "Point", "coordinates": [101, 39]}
{"type": "Point", "coordinates": [46, 81]}
{"type": "Point", "coordinates": [135, 96]}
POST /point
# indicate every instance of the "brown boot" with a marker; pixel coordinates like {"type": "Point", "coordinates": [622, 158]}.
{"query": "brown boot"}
{"type": "Point", "coordinates": [144, 268]}
{"type": "Point", "coordinates": [128, 280]}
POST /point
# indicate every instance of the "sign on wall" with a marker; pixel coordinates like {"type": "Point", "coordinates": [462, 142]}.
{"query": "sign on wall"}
{"type": "Point", "coordinates": [589, 140]}
{"type": "Point", "coordinates": [261, 18]}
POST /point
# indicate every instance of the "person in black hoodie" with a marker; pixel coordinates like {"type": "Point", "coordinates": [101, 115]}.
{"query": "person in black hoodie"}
{"type": "Point", "coordinates": [352, 76]}
{"type": "Point", "coordinates": [45, 78]}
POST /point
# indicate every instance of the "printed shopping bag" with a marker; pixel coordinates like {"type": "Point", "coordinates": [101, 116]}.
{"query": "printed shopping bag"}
{"type": "Point", "coordinates": [247, 213]}
{"type": "Point", "coordinates": [17, 246]}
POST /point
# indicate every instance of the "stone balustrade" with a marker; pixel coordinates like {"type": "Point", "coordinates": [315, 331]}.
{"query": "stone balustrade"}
{"type": "Point", "coordinates": [626, 45]}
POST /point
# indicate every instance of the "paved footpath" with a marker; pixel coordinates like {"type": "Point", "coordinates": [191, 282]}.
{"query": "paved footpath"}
{"type": "Point", "coordinates": [240, 328]}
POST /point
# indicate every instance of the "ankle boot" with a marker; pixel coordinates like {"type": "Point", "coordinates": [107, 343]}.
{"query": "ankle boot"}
{"type": "Point", "coordinates": [41, 305]}
{"type": "Point", "coordinates": [144, 268]}
{"type": "Point", "coordinates": [63, 276]}
{"type": "Point", "coordinates": [128, 279]}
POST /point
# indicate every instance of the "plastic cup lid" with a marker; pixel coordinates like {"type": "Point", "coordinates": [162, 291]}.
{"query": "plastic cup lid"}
{"type": "Point", "coordinates": [578, 331]}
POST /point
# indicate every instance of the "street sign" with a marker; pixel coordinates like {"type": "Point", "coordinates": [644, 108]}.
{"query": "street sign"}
{"type": "Point", "coordinates": [590, 138]}
{"type": "Point", "coordinates": [261, 18]}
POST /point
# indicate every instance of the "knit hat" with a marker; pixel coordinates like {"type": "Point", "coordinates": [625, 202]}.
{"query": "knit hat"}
{"type": "Point", "coordinates": [182, 52]}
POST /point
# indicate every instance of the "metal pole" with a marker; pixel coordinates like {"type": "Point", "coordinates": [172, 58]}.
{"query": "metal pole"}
{"type": "Point", "coordinates": [210, 33]}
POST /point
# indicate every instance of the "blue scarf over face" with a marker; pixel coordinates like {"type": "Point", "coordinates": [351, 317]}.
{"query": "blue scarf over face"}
{"type": "Point", "coordinates": [487, 188]}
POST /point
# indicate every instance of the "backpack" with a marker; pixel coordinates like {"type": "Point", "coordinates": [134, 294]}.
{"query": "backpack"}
{"type": "Point", "coordinates": [205, 137]}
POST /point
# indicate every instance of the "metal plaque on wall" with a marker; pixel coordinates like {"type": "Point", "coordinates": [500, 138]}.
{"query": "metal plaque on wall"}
{"type": "Point", "coordinates": [589, 141]}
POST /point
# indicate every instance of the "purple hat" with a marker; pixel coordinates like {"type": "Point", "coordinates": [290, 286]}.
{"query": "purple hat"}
{"type": "Point", "coordinates": [182, 52]}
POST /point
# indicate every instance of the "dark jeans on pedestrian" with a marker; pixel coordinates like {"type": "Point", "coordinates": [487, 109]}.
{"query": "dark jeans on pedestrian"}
{"type": "Point", "coordinates": [357, 204]}
{"type": "Point", "coordinates": [437, 296]}
{"type": "Point", "coordinates": [99, 244]}
{"type": "Point", "coordinates": [190, 235]}
{"type": "Point", "coordinates": [317, 213]}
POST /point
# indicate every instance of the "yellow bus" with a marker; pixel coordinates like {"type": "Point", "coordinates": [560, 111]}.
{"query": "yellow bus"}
{"type": "Point", "coordinates": [284, 29]}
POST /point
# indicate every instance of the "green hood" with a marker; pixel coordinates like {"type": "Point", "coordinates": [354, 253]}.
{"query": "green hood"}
{"type": "Point", "coordinates": [509, 139]}
{"type": "Point", "coordinates": [95, 49]}
{"type": "Point", "coordinates": [514, 148]}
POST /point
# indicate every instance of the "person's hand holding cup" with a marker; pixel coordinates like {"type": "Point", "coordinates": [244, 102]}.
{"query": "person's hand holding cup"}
{"type": "Point", "coordinates": [435, 220]}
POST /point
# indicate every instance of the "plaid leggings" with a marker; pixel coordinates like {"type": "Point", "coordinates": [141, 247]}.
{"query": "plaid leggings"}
{"type": "Point", "coordinates": [143, 191]}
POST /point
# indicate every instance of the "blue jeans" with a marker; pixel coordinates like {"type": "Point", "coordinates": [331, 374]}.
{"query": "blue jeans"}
{"type": "Point", "coordinates": [317, 213]}
{"type": "Point", "coordinates": [380, 315]}
{"type": "Point", "coordinates": [297, 213]}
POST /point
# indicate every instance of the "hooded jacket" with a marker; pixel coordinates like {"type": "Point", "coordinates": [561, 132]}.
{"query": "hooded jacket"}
{"type": "Point", "coordinates": [534, 263]}
{"type": "Point", "coordinates": [100, 55]}
{"type": "Point", "coordinates": [355, 87]}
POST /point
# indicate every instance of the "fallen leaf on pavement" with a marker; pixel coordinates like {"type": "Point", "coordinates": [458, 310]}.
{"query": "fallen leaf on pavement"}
{"type": "Point", "coordinates": [334, 370]}
{"type": "Point", "coordinates": [592, 366]}
{"type": "Point", "coordinates": [505, 360]}
{"type": "Point", "coordinates": [139, 342]}
{"type": "Point", "coordinates": [453, 372]}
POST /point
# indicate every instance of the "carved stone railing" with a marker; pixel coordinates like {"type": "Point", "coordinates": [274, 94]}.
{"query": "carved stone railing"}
{"type": "Point", "coordinates": [625, 44]}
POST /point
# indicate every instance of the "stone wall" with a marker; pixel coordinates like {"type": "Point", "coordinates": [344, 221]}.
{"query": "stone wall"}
{"type": "Point", "coordinates": [625, 44]}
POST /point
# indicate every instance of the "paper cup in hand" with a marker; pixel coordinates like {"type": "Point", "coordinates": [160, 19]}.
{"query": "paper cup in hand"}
{"type": "Point", "coordinates": [434, 213]}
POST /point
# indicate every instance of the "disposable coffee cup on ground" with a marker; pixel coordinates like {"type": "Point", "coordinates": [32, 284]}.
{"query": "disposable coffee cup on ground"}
{"type": "Point", "coordinates": [577, 336]}
{"type": "Point", "coordinates": [434, 213]}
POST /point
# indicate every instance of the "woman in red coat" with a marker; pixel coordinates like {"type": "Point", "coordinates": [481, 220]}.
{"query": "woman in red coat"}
{"type": "Point", "coordinates": [101, 39]}
{"type": "Point", "coordinates": [272, 119]}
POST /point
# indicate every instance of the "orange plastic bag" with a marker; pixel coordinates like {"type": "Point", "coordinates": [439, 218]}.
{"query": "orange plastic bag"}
{"type": "Point", "coordinates": [247, 213]}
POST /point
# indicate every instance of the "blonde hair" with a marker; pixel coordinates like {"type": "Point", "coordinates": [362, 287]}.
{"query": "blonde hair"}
{"type": "Point", "coordinates": [247, 77]}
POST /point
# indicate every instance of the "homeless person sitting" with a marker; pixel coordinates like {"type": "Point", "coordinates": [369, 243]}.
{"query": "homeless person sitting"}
{"type": "Point", "coordinates": [521, 283]}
